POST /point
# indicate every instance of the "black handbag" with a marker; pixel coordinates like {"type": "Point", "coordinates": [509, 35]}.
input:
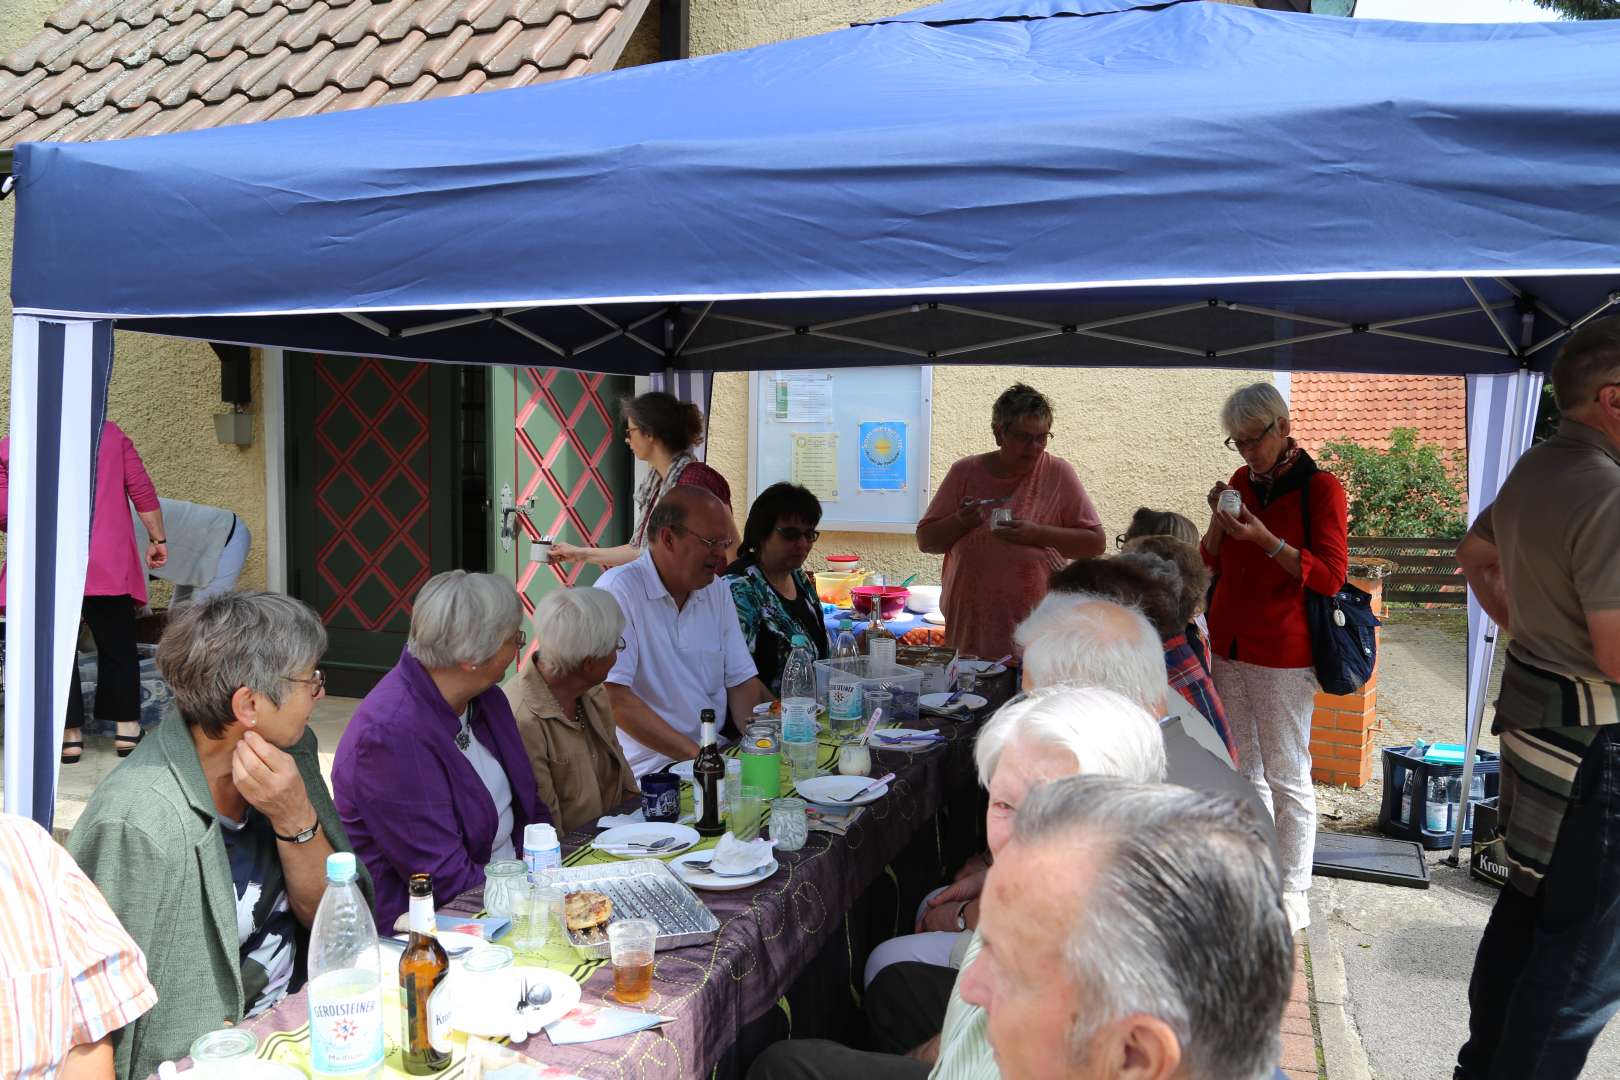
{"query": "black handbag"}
{"type": "Point", "coordinates": [1344, 630]}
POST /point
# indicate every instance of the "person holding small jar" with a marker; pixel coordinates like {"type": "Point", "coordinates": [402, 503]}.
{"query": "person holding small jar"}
{"type": "Point", "coordinates": [1277, 528]}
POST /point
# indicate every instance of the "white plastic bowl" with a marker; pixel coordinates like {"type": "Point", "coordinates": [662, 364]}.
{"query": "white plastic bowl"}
{"type": "Point", "coordinates": [923, 598]}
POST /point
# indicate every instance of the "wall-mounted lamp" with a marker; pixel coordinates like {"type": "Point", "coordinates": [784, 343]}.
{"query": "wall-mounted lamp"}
{"type": "Point", "coordinates": [234, 428]}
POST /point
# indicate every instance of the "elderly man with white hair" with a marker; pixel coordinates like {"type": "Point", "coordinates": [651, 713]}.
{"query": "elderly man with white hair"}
{"type": "Point", "coordinates": [563, 711]}
{"type": "Point", "coordinates": [1133, 931]}
{"type": "Point", "coordinates": [1031, 740]}
{"type": "Point", "coordinates": [431, 775]}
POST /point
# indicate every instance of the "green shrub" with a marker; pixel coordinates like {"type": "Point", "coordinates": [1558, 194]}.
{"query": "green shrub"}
{"type": "Point", "coordinates": [1405, 490]}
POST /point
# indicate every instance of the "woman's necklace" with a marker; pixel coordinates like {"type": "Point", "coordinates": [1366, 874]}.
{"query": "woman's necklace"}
{"type": "Point", "coordinates": [464, 733]}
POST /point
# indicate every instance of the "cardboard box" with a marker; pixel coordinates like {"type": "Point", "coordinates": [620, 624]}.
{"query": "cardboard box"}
{"type": "Point", "coordinates": [936, 662]}
{"type": "Point", "coordinates": [1484, 860]}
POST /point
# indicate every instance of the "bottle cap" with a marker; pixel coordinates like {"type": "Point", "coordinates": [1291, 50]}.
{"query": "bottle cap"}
{"type": "Point", "coordinates": [340, 866]}
{"type": "Point", "coordinates": [539, 836]}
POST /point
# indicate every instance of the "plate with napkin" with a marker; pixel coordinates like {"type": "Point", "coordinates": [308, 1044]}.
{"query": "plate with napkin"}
{"type": "Point", "coordinates": [731, 865]}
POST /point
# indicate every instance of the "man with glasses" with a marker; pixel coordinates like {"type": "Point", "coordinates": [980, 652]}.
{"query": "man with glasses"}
{"type": "Point", "coordinates": [684, 648]}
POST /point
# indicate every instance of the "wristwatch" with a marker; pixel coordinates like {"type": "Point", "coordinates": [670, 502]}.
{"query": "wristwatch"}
{"type": "Point", "coordinates": [961, 915]}
{"type": "Point", "coordinates": [300, 837]}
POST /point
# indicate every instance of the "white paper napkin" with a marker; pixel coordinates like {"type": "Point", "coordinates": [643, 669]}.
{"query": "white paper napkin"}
{"type": "Point", "coordinates": [735, 857]}
{"type": "Point", "coordinates": [608, 821]}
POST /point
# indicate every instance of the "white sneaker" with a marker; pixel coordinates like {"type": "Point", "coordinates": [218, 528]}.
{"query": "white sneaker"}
{"type": "Point", "coordinates": [1298, 907]}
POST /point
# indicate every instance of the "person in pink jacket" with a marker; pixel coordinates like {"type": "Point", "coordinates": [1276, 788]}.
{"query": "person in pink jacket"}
{"type": "Point", "coordinates": [114, 586]}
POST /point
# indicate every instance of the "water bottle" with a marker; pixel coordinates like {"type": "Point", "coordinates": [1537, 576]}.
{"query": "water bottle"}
{"type": "Point", "coordinates": [799, 710]}
{"type": "Point", "coordinates": [345, 1003]}
{"type": "Point", "coordinates": [844, 647]}
{"type": "Point", "coordinates": [1436, 816]}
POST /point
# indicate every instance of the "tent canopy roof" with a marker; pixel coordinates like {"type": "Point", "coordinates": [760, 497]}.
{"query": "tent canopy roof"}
{"type": "Point", "coordinates": [1024, 181]}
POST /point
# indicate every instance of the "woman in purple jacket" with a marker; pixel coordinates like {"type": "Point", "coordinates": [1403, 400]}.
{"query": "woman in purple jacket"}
{"type": "Point", "coordinates": [431, 776]}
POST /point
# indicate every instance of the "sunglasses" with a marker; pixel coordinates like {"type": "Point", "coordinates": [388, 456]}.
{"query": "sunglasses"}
{"type": "Point", "coordinates": [793, 534]}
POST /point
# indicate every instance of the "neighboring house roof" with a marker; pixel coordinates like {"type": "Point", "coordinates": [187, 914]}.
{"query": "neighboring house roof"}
{"type": "Point", "coordinates": [108, 69]}
{"type": "Point", "coordinates": [1366, 408]}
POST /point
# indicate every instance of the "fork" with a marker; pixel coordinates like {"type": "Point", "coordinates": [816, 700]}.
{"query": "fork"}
{"type": "Point", "coordinates": [645, 845]}
{"type": "Point", "coordinates": [879, 782]}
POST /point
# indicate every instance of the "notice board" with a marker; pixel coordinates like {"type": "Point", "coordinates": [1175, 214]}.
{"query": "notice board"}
{"type": "Point", "coordinates": [857, 437]}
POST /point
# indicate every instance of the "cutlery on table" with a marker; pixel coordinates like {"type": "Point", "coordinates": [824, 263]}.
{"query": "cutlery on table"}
{"type": "Point", "coordinates": [661, 844]}
{"type": "Point", "coordinates": [707, 867]}
{"type": "Point", "coordinates": [873, 786]}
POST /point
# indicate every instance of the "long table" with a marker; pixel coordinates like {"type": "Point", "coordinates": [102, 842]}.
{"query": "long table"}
{"type": "Point", "coordinates": [769, 935]}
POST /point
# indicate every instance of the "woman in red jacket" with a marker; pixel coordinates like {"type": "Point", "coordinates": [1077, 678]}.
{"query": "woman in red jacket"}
{"type": "Point", "coordinates": [1288, 535]}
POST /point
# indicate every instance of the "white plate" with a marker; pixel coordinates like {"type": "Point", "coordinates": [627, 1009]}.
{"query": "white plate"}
{"type": "Point", "coordinates": [455, 942]}
{"type": "Point", "coordinates": [937, 701]}
{"type": "Point", "coordinates": [699, 879]}
{"type": "Point", "coordinates": [682, 769]}
{"type": "Point", "coordinates": [647, 832]}
{"type": "Point", "coordinates": [903, 738]}
{"type": "Point", "coordinates": [935, 617]}
{"type": "Point", "coordinates": [564, 996]}
{"type": "Point", "coordinates": [829, 790]}
{"type": "Point", "coordinates": [982, 668]}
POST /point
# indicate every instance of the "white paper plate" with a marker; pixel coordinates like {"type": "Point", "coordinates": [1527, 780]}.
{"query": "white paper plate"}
{"type": "Point", "coordinates": [935, 617]}
{"type": "Point", "coordinates": [982, 668]}
{"type": "Point", "coordinates": [682, 769]}
{"type": "Point", "coordinates": [699, 879]}
{"type": "Point", "coordinates": [564, 996]}
{"type": "Point", "coordinates": [830, 790]}
{"type": "Point", "coordinates": [646, 832]}
{"type": "Point", "coordinates": [455, 942]}
{"type": "Point", "coordinates": [963, 703]}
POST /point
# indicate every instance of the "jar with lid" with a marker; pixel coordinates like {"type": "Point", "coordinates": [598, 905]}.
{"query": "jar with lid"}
{"type": "Point", "coordinates": [505, 886]}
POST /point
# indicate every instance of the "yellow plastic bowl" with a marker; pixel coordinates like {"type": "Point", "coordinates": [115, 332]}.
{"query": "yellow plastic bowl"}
{"type": "Point", "coordinates": [832, 586]}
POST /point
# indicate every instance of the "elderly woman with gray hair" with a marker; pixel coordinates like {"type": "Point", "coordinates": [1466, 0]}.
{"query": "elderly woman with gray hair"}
{"type": "Point", "coordinates": [431, 776]}
{"type": "Point", "coordinates": [210, 842]}
{"type": "Point", "coordinates": [562, 708]}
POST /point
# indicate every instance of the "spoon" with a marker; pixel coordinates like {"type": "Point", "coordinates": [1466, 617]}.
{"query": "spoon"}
{"type": "Point", "coordinates": [643, 845]}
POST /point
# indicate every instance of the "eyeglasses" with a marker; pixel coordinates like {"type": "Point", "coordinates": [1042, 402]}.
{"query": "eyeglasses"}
{"type": "Point", "coordinates": [1024, 438]}
{"type": "Point", "coordinates": [623, 644]}
{"type": "Point", "coordinates": [1245, 444]}
{"type": "Point", "coordinates": [520, 639]}
{"type": "Point", "coordinates": [1119, 540]}
{"type": "Point", "coordinates": [316, 682]}
{"type": "Point", "coordinates": [631, 429]}
{"type": "Point", "coordinates": [793, 534]}
{"type": "Point", "coordinates": [713, 543]}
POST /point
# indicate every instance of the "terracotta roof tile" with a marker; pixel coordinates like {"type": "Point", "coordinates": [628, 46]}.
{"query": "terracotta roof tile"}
{"type": "Point", "coordinates": [101, 69]}
{"type": "Point", "coordinates": [1366, 408]}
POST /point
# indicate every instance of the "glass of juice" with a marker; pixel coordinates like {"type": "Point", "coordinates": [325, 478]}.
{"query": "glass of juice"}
{"type": "Point", "coordinates": [630, 947]}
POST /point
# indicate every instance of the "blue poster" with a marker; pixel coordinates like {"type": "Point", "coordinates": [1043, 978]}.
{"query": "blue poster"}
{"type": "Point", "coordinates": [882, 456]}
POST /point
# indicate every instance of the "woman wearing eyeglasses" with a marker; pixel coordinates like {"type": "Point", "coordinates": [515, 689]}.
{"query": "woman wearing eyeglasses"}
{"type": "Point", "coordinates": [1264, 558]}
{"type": "Point", "coordinates": [662, 431]}
{"type": "Point", "coordinates": [563, 711]}
{"type": "Point", "coordinates": [995, 575]}
{"type": "Point", "coordinates": [774, 596]}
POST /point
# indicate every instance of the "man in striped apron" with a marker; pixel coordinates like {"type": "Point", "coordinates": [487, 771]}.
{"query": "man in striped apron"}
{"type": "Point", "coordinates": [1544, 561]}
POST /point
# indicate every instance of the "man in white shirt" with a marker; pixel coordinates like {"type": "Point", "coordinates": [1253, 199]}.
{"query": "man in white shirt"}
{"type": "Point", "coordinates": [684, 650]}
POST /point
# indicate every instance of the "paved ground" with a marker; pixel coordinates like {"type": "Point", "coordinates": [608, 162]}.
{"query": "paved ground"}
{"type": "Point", "coordinates": [1391, 965]}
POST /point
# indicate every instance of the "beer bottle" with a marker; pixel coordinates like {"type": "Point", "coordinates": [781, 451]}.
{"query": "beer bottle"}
{"type": "Point", "coordinates": [709, 780]}
{"type": "Point", "coordinates": [424, 973]}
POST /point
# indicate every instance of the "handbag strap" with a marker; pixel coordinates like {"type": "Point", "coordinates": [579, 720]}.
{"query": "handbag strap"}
{"type": "Point", "coordinates": [1305, 512]}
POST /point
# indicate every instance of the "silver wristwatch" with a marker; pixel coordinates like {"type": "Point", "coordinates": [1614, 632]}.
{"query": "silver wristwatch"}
{"type": "Point", "coordinates": [300, 837]}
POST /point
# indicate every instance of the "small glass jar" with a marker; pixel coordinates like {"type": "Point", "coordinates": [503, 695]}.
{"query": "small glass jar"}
{"type": "Point", "coordinates": [221, 1053]}
{"type": "Point", "coordinates": [505, 883]}
{"type": "Point", "coordinates": [789, 826]}
{"type": "Point", "coordinates": [486, 987]}
{"type": "Point", "coordinates": [854, 759]}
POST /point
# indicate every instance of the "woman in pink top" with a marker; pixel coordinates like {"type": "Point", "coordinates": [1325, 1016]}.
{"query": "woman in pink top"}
{"type": "Point", "coordinates": [995, 576]}
{"type": "Point", "coordinates": [114, 586]}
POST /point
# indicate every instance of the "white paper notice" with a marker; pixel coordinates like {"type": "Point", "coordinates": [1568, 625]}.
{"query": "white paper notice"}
{"type": "Point", "coordinates": [815, 464]}
{"type": "Point", "coordinates": [804, 399]}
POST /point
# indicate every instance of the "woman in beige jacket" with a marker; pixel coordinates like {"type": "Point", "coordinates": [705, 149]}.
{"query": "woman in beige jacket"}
{"type": "Point", "coordinates": [562, 708]}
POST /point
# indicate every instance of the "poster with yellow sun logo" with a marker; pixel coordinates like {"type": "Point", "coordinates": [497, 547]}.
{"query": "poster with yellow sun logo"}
{"type": "Point", "coordinates": [882, 465]}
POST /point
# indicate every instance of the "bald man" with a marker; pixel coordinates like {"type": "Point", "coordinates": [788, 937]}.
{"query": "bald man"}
{"type": "Point", "coordinates": [684, 650]}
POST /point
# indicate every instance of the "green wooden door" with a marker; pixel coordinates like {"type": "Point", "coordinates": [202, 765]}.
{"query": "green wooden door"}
{"type": "Point", "coordinates": [373, 500]}
{"type": "Point", "coordinates": [557, 439]}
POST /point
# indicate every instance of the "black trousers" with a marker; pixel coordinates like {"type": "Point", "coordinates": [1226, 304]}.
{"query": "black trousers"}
{"type": "Point", "coordinates": [905, 1005]}
{"type": "Point", "coordinates": [819, 1059]}
{"type": "Point", "coordinates": [118, 664]}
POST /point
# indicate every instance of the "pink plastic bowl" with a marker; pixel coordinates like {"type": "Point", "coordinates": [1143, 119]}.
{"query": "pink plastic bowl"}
{"type": "Point", "coordinates": [894, 599]}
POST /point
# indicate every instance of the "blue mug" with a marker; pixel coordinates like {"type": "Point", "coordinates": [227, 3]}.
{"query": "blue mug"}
{"type": "Point", "coordinates": [661, 796]}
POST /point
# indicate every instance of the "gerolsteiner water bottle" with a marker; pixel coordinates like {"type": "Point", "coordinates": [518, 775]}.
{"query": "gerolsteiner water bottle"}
{"type": "Point", "coordinates": [799, 710]}
{"type": "Point", "coordinates": [345, 1001]}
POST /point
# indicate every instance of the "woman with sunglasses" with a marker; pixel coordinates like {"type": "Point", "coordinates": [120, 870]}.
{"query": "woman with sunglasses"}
{"type": "Point", "coordinates": [563, 711]}
{"type": "Point", "coordinates": [774, 596]}
{"type": "Point", "coordinates": [995, 575]}
{"type": "Point", "coordinates": [662, 431]}
{"type": "Point", "coordinates": [1287, 535]}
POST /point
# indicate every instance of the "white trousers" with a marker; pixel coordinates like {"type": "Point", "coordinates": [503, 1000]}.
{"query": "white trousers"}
{"type": "Point", "coordinates": [1269, 711]}
{"type": "Point", "coordinates": [940, 948]}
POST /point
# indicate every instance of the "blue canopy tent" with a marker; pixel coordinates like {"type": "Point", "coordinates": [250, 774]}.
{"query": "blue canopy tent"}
{"type": "Point", "coordinates": [1064, 182]}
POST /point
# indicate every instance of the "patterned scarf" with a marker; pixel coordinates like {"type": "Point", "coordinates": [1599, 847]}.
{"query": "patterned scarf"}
{"type": "Point", "coordinates": [1280, 469]}
{"type": "Point", "coordinates": [652, 488]}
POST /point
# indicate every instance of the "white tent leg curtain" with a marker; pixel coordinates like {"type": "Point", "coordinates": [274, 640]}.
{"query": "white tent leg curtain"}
{"type": "Point", "coordinates": [59, 371]}
{"type": "Point", "coordinates": [1502, 413]}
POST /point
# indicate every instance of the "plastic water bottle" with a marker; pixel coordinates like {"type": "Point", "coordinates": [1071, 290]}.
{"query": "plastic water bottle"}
{"type": "Point", "coordinates": [345, 1002]}
{"type": "Point", "coordinates": [844, 646]}
{"type": "Point", "coordinates": [541, 851]}
{"type": "Point", "coordinates": [1436, 816]}
{"type": "Point", "coordinates": [799, 710]}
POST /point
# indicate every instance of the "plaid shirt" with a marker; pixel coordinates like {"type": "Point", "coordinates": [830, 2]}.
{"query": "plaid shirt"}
{"type": "Point", "coordinates": [1187, 665]}
{"type": "Point", "coordinates": [69, 974]}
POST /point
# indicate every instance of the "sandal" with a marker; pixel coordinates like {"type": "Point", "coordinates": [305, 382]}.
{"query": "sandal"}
{"type": "Point", "coordinates": [124, 745]}
{"type": "Point", "coordinates": [75, 745]}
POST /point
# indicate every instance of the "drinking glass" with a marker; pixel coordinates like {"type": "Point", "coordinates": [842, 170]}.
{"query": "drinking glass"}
{"type": "Point", "coordinates": [538, 917]}
{"type": "Point", "coordinates": [733, 788]}
{"type": "Point", "coordinates": [854, 759]}
{"type": "Point", "coordinates": [789, 826]}
{"type": "Point", "coordinates": [875, 700]}
{"type": "Point", "coordinates": [485, 987]}
{"type": "Point", "coordinates": [504, 882]}
{"type": "Point", "coordinates": [751, 805]}
{"type": "Point", "coordinates": [630, 947]}
{"type": "Point", "coordinates": [219, 1055]}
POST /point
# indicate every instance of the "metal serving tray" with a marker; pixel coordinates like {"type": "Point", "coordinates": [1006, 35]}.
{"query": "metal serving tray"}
{"type": "Point", "coordinates": [640, 889]}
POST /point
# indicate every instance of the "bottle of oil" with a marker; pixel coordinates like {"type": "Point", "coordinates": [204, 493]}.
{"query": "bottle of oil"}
{"type": "Point", "coordinates": [424, 973]}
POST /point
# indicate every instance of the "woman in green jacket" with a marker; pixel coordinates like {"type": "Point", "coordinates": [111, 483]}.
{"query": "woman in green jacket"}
{"type": "Point", "coordinates": [210, 841]}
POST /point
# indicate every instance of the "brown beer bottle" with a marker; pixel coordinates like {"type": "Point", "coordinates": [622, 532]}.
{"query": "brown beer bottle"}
{"type": "Point", "coordinates": [424, 973]}
{"type": "Point", "coordinates": [709, 780]}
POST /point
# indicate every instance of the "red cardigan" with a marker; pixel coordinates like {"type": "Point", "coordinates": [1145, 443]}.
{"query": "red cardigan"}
{"type": "Point", "coordinates": [1257, 614]}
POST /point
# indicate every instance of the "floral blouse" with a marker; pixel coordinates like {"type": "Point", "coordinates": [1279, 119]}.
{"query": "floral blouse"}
{"type": "Point", "coordinates": [769, 621]}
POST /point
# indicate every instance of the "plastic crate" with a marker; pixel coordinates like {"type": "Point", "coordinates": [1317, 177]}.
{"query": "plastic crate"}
{"type": "Point", "coordinates": [1399, 761]}
{"type": "Point", "coordinates": [903, 682]}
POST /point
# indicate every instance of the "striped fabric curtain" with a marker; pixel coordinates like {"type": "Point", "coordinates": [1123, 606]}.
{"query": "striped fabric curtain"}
{"type": "Point", "coordinates": [59, 372]}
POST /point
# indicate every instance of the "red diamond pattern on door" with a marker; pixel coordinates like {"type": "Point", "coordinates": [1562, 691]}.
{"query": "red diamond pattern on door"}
{"type": "Point", "coordinates": [569, 456]}
{"type": "Point", "coordinates": [373, 514]}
